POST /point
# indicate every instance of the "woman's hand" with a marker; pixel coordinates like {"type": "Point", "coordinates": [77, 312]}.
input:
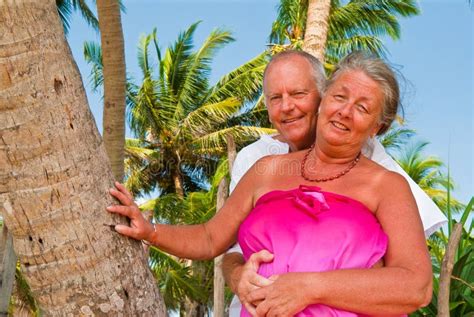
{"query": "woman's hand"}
{"type": "Point", "coordinates": [140, 228]}
{"type": "Point", "coordinates": [286, 296]}
{"type": "Point", "coordinates": [250, 280]}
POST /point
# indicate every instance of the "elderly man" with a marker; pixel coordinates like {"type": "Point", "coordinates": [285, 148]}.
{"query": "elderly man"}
{"type": "Point", "coordinates": [292, 84]}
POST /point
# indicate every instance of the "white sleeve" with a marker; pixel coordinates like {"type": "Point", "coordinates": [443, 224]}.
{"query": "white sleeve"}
{"type": "Point", "coordinates": [240, 167]}
{"type": "Point", "coordinates": [430, 214]}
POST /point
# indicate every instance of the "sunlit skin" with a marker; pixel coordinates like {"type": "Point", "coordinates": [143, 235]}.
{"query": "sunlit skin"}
{"type": "Point", "coordinates": [350, 112]}
{"type": "Point", "coordinates": [292, 100]}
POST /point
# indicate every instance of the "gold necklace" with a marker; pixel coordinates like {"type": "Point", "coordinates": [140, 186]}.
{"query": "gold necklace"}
{"type": "Point", "coordinates": [325, 179]}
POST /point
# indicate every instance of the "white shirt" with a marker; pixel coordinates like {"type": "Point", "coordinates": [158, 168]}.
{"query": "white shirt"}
{"type": "Point", "coordinates": [431, 216]}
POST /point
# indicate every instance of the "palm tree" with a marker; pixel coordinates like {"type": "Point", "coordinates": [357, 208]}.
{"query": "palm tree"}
{"type": "Point", "coordinates": [355, 25]}
{"type": "Point", "coordinates": [426, 172]}
{"type": "Point", "coordinates": [113, 61]}
{"type": "Point", "coordinates": [179, 119]}
{"type": "Point", "coordinates": [54, 178]}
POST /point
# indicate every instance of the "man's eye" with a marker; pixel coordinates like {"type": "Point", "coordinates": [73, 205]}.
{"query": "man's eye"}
{"type": "Point", "coordinates": [339, 97]}
{"type": "Point", "coordinates": [274, 98]}
{"type": "Point", "coordinates": [299, 94]}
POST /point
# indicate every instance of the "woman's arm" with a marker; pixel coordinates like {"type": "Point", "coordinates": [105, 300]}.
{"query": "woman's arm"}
{"type": "Point", "coordinates": [203, 241]}
{"type": "Point", "coordinates": [402, 286]}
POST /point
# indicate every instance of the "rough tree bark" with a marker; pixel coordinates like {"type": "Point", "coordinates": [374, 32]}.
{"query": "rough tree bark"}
{"type": "Point", "coordinates": [55, 175]}
{"type": "Point", "coordinates": [316, 30]}
{"type": "Point", "coordinates": [113, 60]}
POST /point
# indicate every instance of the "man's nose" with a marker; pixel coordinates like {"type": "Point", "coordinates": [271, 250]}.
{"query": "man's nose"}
{"type": "Point", "coordinates": [287, 104]}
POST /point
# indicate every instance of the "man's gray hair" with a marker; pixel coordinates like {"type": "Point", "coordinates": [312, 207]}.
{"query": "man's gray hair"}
{"type": "Point", "coordinates": [379, 71]}
{"type": "Point", "coordinates": [317, 68]}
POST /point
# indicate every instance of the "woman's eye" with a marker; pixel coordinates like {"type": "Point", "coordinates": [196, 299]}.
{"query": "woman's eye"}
{"type": "Point", "coordinates": [362, 108]}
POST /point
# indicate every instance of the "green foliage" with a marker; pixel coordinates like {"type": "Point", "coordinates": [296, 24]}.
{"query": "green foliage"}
{"type": "Point", "coordinates": [180, 120]}
{"type": "Point", "coordinates": [461, 287]}
{"type": "Point", "coordinates": [22, 297]}
{"type": "Point", "coordinates": [178, 280]}
{"type": "Point", "coordinates": [352, 25]}
{"type": "Point", "coordinates": [67, 7]}
{"type": "Point", "coordinates": [427, 173]}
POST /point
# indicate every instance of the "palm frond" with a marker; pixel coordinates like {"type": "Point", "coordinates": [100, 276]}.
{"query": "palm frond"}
{"type": "Point", "coordinates": [86, 13]}
{"type": "Point", "coordinates": [396, 137]}
{"type": "Point", "coordinates": [241, 134]}
{"type": "Point", "coordinates": [177, 59]}
{"type": "Point", "coordinates": [93, 56]}
{"type": "Point", "coordinates": [202, 120]}
{"type": "Point", "coordinates": [198, 69]}
{"type": "Point", "coordinates": [143, 56]}
{"type": "Point", "coordinates": [335, 48]}
{"type": "Point", "coordinates": [290, 22]}
{"type": "Point", "coordinates": [176, 280]}
{"type": "Point", "coordinates": [244, 82]}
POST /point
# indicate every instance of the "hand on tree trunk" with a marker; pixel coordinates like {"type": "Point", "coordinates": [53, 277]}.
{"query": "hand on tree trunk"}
{"type": "Point", "coordinates": [140, 228]}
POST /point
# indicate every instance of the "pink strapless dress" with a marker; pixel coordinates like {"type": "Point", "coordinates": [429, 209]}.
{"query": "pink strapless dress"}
{"type": "Point", "coordinates": [309, 230]}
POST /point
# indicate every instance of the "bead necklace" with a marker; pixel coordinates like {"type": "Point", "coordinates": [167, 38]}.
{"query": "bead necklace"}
{"type": "Point", "coordinates": [325, 179]}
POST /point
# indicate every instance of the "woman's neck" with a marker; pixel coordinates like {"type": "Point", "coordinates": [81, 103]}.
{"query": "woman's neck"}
{"type": "Point", "coordinates": [332, 154]}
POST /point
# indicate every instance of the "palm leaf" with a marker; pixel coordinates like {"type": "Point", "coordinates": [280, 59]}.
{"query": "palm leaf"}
{"type": "Point", "coordinates": [241, 134]}
{"type": "Point", "coordinates": [202, 120]}
{"type": "Point", "coordinates": [244, 82]}
{"type": "Point", "coordinates": [198, 69]}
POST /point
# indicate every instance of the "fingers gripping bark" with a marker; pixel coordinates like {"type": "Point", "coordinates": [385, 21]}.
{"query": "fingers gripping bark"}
{"type": "Point", "coordinates": [139, 228]}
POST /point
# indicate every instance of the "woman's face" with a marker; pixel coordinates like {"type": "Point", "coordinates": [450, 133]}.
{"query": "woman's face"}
{"type": "Point", "coordinates": [350, 110]}
{"type": "Point", "coordinates": [292, 100]}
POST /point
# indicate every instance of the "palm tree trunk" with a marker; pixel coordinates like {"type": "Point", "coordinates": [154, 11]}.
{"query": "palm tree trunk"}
{"type": "Point", "coordinates": [7, 269]}
{"type": "Point", "coordinates": [113, 59]}
{"type": "Point", "coordinates": [316, 31]}
{"type": "Point", "coordinates": [178, 184]}
{"type": "Point", "coordinates": [54, 178]}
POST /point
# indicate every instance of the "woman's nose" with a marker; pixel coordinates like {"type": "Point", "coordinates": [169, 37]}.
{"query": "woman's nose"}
{"type": "Point", "coordinates": [346, 109]}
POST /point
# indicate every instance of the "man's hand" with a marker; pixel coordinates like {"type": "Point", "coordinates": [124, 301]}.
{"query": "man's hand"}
{"type": "Point", "coordinates": [249, 279]}
{"type": "Point", "coordinates": [286, 296]}
{"type": "Point", "coordinates": [140, 228]}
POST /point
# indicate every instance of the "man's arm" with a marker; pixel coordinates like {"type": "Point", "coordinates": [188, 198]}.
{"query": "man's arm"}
{"type": "Point", "coordinates": [431, 216]}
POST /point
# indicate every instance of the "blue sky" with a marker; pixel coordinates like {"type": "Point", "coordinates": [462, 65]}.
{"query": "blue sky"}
{"type": "Point", "coordinates": [435, 55]}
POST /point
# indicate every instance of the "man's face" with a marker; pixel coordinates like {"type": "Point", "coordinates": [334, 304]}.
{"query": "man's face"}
{"type": "Point", "coordinates": [292, 100]}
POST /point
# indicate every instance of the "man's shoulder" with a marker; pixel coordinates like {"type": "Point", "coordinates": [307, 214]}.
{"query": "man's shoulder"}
{"type": "Point", "coordinates": [264, 146]}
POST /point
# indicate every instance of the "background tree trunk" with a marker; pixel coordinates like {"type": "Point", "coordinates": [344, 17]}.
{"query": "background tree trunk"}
{"type": "Point", "coordinates": [113, 60]}
{"type": "Point", "coordinates": [7, 269]}
{"type": "Point", "coordinates": [222, 194]}
{"type": "Point", "coordinates": [54, 178]}
{"type": "Point", "coordinates": [447, 270]}
{"type": "Point", "coordinates": [317, 23]}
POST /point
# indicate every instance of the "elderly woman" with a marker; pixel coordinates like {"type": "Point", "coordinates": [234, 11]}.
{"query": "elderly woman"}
{"type": "Point", "coordinates": [323, 238]}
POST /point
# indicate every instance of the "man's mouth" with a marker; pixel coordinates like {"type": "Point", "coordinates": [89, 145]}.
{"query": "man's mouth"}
{"type": "Point", "coordinates": [339, 126]}
{"type": "Point", "coordinates": [291, 120]}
